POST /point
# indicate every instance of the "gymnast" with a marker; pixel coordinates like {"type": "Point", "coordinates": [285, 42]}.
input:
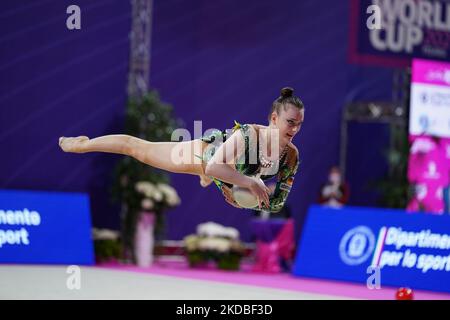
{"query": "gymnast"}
{"type": "Point", "coordinates": [242, 157]}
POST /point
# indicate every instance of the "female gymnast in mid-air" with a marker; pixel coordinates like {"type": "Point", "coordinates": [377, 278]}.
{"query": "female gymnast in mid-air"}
{"type": "Point", "coordinates": [243, 156]}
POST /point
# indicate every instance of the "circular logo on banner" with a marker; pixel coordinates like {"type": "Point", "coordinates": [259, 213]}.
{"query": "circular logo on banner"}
{"type": "Point", "coordinates": [357, 245]}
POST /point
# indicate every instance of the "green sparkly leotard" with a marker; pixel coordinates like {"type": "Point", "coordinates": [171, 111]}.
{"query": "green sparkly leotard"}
{"type": "Point", "coordinates": [287, 167]}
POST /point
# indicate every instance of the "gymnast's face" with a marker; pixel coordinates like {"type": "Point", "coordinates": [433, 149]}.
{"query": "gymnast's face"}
{"type": "Point", "coordinates": [288, 122]}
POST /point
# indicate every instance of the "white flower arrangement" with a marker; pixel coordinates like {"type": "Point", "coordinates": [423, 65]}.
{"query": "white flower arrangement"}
{"type": "Point", "coordinates": [214, 241]}
{"type": "Point", "coordinates": [170, 193]}
{"type": "Point", "coordinates": [215, 244]}
{"type": "Point", "coordinates": [147, 204]}
{"type": "Point", "coordinates": [160, 193]}
{"type": "Point", "coordinates": [191, 242]}
{"type": "Point", "coordinates": [105, 234]}
{"type": "Point", "coordinates": [212, 229]}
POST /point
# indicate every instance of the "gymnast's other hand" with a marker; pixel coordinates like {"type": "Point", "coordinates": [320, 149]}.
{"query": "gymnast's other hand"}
{"type": "Point", "coordinates": [260, 191]}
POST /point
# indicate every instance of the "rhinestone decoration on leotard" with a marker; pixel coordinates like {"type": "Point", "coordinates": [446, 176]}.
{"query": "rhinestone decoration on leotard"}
{"type": "Point", "coordinates": [269, 163]}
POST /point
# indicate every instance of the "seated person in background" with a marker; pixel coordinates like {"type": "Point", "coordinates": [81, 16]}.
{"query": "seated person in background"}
{"type": "Point", "coordinates": [335, 192]}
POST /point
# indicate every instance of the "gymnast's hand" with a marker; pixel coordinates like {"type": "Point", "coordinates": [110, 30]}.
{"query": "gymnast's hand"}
{"type": "Point", "coordinates": [260, 191]}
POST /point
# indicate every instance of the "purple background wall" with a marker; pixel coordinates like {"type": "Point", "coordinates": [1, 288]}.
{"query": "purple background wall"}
{"type": "Point", "coordinates": [57, 82]}
{"type": "Point", "coordinates": [215, 61]}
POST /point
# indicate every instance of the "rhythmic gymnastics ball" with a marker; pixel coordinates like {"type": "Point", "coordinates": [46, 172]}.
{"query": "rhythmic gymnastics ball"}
{"type": "Point", "coordinates": [244, 197]}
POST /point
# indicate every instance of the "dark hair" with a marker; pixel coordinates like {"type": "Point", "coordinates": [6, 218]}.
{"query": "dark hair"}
{"type": "Point", "coordinates": [286, 97]}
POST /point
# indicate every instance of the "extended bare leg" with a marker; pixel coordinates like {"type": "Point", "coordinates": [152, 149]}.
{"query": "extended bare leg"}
{"type": "Point", "coordinates": [175, 157]}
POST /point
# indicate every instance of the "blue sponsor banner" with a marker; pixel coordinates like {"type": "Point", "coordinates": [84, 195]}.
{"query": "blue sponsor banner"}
{"type": "Point", "coordinates": [391, 32]}
{"type": "Point", "coordinates": [361, 244]}
{"type": "Point", "coordinates": [45, 228]}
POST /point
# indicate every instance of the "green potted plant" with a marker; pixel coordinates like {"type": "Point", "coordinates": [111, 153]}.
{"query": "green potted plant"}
{"type": "Point", "coordinates": [140, 188]}
{"type": "Point", "coordinates": [107, 245]}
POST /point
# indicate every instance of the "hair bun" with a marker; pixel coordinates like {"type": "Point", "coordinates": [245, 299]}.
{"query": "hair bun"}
{"type": "Point", "coordinates": [287, 92]}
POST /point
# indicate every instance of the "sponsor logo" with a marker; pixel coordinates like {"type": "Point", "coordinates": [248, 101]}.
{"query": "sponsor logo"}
{"type": "Point", "coordinates": [357, 245]}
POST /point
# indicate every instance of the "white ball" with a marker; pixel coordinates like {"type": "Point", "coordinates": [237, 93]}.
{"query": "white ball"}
{"type": "Point", "coordinates": [244, 197]}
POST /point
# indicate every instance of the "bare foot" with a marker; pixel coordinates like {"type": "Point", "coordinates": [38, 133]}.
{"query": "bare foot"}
{"type": "Point", "coordinates": [72, 144]}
